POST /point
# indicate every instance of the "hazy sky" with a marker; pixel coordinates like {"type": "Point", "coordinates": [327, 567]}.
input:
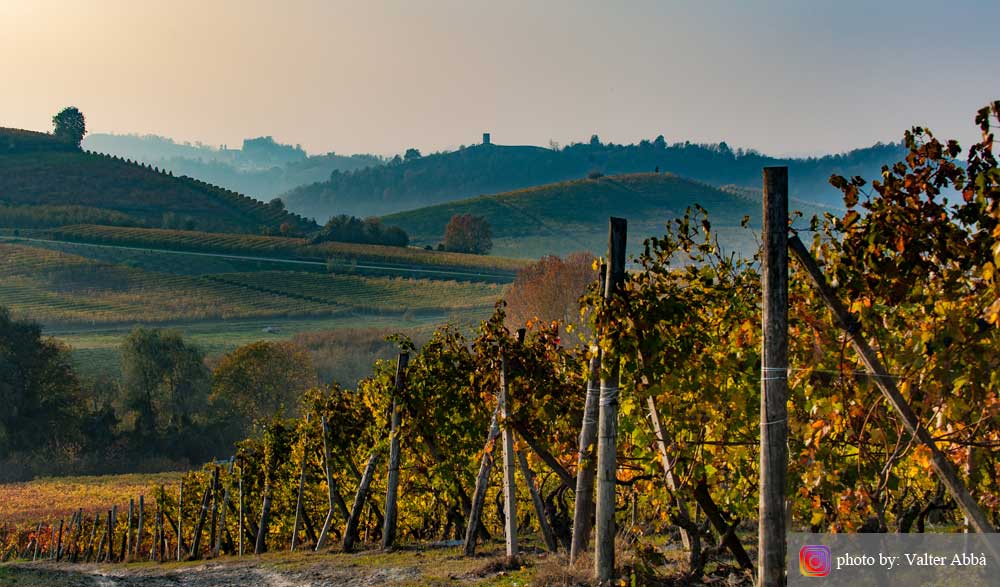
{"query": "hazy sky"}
{"type": "Point", "coordinates": [794, 76]}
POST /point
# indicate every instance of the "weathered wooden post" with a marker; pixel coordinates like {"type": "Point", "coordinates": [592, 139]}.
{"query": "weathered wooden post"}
{"type": "Point", "coordinates": [586, 464]}
{"type": "Point", "coordinates": [536, 501]}
{"type": "Point", "coordinates": [392, 486]}
{"type": "Point", "coordinates": [180, 519]}
{"type": "Point", "coordinates": [607, 430]}
{"type": "Point", "coordinates": [333, 497]}
{"type": "Point", "coordinates": [112, 522]}
{"type": "Point", "coordinates": [351, 529]}
{"type": "Point", "coordinates": [202, 515]}
{"type": "Point", "coordinates": [58, 551]}
{"type": "Point", "coordinates": [38, 533]}
{"type": "Point", "coordinates": [302, 485]}
{"type": "Point", "coordinates": [93, 537]}
{"type": "Point", "coordinates": [222, 515]}
{"type": "Point", "coordinates": [509, 486]}
{"type": "Point", "coordinates": [128, 526]}
{"type": "Point", "coordinates": [240, 523]}
{"type": "Point", "coordinates": [774, 380]}
{"type": "Point", "coordinates": [138, 529]}
{"type": "Point", "coordinates": [668, 473]}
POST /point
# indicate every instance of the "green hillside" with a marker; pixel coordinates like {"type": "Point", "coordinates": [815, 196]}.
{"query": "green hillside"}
{"type": "Point", "coordinates": [570, 216]}
{"type": "Point", "coordinates": [488, 169]}
{"type": "Point", "coordinates": [44, 181]}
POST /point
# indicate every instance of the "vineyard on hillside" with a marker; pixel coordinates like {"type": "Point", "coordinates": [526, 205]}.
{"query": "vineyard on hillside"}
{"type": "Point", "coordinates": [59, 288]}
{"type": "Point", "coordinates": [285, 247]}
{"type": "Point", "coordinates": [881, 326]}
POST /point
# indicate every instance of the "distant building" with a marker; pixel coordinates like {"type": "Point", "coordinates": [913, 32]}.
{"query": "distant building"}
{"type": "Point", "coordinates": [486, 138]}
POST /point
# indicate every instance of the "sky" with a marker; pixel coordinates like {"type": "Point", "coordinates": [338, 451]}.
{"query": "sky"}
{"type": "Point", "coordinates": [784, 77]}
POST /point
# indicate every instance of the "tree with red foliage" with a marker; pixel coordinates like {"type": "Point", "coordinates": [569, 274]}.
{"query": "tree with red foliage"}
{"type": "Point", "coordinates": [466, 233]}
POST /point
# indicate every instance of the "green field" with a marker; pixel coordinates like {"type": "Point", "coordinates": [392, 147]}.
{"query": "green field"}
{"type": "Point", "coordinates": [571, 216]}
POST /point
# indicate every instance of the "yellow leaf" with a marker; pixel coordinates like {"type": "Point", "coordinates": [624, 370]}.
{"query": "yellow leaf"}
{"type": "Point", "coordinates": [817, 517]}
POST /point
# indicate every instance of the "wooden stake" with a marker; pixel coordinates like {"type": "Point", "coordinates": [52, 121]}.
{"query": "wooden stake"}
{"type": "Point", "coordinates": [302, 485]}
{"type": "Point", "coordinates": [58, 551]}
{"type": "Point", "coordinates": [38, 533]}
{"type": "Point", "coordinates": [607, 431]}
{"type": "Point", "coordinates": [774, 381]}
{"type": "Point", "coordinates": [128, 527]}
{"type": "Point", "coordinates": [536, 500]}
{"type": "Point", "coordinates": [509, 486]}
{"type": "Point", "coordinates": [240, 523]}
{"type": "Point", "coordinates": [586, 464]}
{"type": "Point", "coordinates": [138, 530]}
{"type": "Point", "coordinates": [93, 537]}
{"type": "Point", "coordinates": [180, 519]}
{"type": "Point", "coordinates": [392, 486]}
{"type": "Point", "coordinates": [668, 473]}
{"type": "Point", "coordinates": [112, 522]}
{"type": "Point", "coordinates": [331, 488]}
{"type": "Point", "coordinates": [222, 515]}
{"type": "Point", "coordinates": [203, 514]}
{"type": "Point", "coordinates": [887, 385]}
{"type": "Point", "coordinates": [351, 530]}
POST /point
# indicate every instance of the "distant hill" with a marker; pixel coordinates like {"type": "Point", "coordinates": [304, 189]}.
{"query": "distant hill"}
{"type": "Point", "coordinates": [45, 182]}
{"type": "Point", "coordinates": [262, 167]}
{"type": "Point", "coordinates": [485, 169]}
{"type": "Point", "coordinates": [570, 216]}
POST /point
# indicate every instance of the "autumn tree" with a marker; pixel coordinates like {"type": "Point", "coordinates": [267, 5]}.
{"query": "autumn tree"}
{"type": "Point", "coordinates": [261, 380]}
{"type": "Point", "coordinates": [550, 289]}
{"type": "Point", "coordinates": [70, 125]}
{"type": "Point", "coordinates": [467, 233]}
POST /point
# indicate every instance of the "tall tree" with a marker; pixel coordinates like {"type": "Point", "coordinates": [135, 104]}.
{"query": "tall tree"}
{"type": "Point", "coordinates": [263, 379]}
{"type": "Point", "coordinates": [70, 125]}
{"type": "Point", "coordinates": [165, 380]}
{"type": "Point", "coordinates": [38, 390]}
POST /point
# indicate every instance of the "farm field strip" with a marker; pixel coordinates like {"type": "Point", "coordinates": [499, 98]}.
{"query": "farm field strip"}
{"type": "Point", "coordinates": [57, 287]}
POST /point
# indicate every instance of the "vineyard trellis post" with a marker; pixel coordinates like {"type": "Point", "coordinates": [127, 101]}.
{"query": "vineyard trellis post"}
{"type": "Point", "coordinates": [222, 514]}
{"type": "Point", "coordinates": [360, 497]}
{"type": "Point", "coordinates": [483, 477]}
{"type": "Point", "coordinates": [392, 485]}
{"type": "Point", "coordinates": [668, 472]}
{"type": "Point", "coordinates": [240, 522]}
{"type": "Point", "coordinates": [38, 533]}
{"type": "Point", "coordinates": [138, 529]}
{"type": "Point", "coordinates": [509, 485]}
{"type": "Point", "coordinates": [536, 501]}
{"type": "Point", "coordinates": [887, 385]}
{"type": "Point", "coordinates": [607, 430]}
{"type": "Point", "coordinates": [128, 525]}
{"type": "Point", "coordinates": [180, 519]}
{"type": "Point", "coordinates": [774, 380]}
{"type": "Point", "coordinates": [302, 483]}
{"type": "Point", "coordinates": [586, 464]}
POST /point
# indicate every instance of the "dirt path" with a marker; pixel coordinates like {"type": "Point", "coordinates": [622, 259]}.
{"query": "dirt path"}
{"type": "Point", "coordinates": [402, 568]}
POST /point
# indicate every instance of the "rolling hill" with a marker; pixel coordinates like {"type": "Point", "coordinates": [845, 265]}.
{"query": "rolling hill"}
{"type": "Point", "coordinates": [44, 181]}
{"type": "Point", "coordinates": [570, 216]}
{"type": "Point", "coordinates": [488, 168]}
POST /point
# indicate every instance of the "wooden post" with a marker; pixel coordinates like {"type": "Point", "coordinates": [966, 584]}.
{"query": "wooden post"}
{"type": "Point", "coordinates": [93, 537]}
{"type": "Point", "coordinates": [77, 544]}
{"type": "Point", "coordinates": [200, 524]}
{"type": "Point", "coordinates": [536, 501]}
{"type": "Point", "coordinates": [773, 380]}
{"type": "Point", "coordinates": [668, 473]}
{"type": "Point", "coordinates": [331, 488]}
{"type": "Point", "coordinates": [180, 519]}
{"type": "Point", "coordinates": [302, 485]}
{"type": "Point", "coordinates": [213, 526]}
{"type": "Point", "coordinates": [509, 486]}
{"type": "Point", "coordinates": [128, 527]}
{"type": "Point", "coordinates": [392, 486]}
{"type": "Point", "coordinates": [351, 530]}
{"type": "Point", "coordinates": [58, 551]}
{"type": "Point", "coordinates": [138, 529]}
{"type": "Point", "coordinates": [222, 515]}
{"type": "Point", "coordinates": [112, 522]}
{"type": "Point", "coordinates": [38, 533]}
{"type": "Point", "coordinates": [939, 461]}
{"type": "Point", "coordinates": [607, 431]}
{"type": "Point", "coordinates": [240, 523]}
{"type": "Point", "coordinates": [586, 464]}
